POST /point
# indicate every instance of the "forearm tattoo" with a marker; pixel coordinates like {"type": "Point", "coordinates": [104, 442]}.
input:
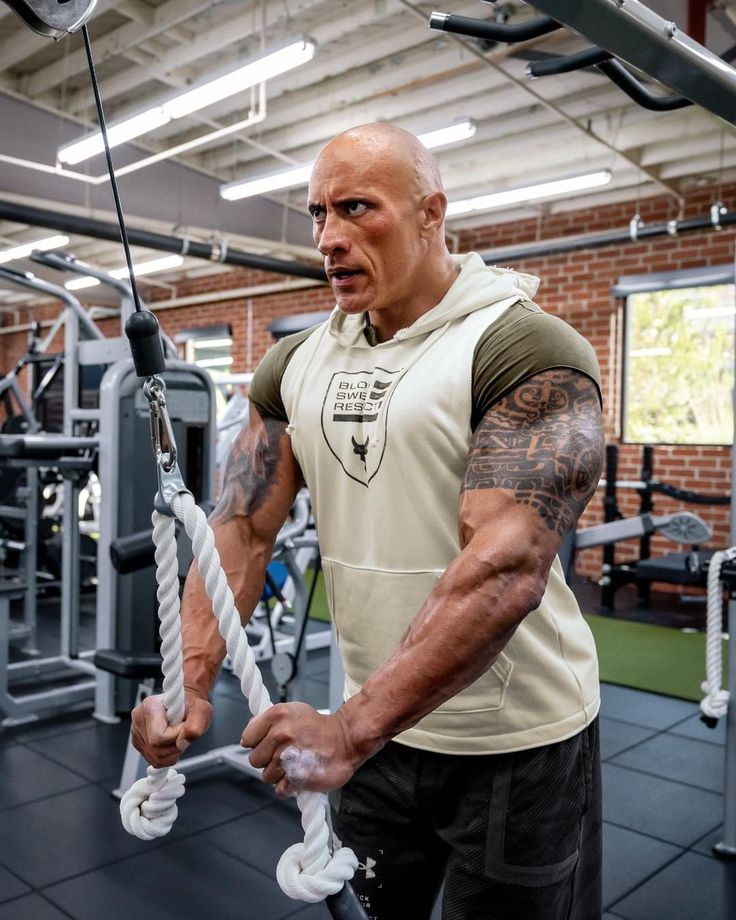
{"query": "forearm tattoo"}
{"type": "Point", "coordinates": [543, 442]}
{"type": "Point", "coordinates": [251, 469]}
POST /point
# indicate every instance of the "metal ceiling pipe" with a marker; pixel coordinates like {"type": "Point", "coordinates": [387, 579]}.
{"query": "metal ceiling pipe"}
{"type": "Point", "coordinates": [102, 230]}
{"type": "Point", "coordinates": [597, 240]}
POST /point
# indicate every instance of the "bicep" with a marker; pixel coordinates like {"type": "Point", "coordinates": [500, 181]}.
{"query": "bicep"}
{"type": "Point", "coordinates": [535, 459]}
{"type": "Point", "coordinates": [261, 477]}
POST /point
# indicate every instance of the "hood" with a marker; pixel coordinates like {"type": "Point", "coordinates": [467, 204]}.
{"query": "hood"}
{"type": "Point", "coordinates": [477, 285]}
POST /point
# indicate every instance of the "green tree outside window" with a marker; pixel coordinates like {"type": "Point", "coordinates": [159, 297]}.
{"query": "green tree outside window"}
{"type": "Point", "coordinates": [680, 366]}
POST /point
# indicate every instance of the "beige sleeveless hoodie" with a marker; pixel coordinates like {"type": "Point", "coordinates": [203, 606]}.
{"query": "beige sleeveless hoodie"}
{"type": "Point", "coordinates": [382, 434]}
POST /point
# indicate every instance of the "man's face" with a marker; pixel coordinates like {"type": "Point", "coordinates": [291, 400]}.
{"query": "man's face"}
{"type": "Point", "coordinates": [366, 214]}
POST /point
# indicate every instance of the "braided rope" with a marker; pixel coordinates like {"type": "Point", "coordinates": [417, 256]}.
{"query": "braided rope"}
{"type": "Point", "coordinates": [148, 809]}
{"type": "Point", "coordinates": [306, 871]}
{"type": "Point", "coordinates": [715, 702]}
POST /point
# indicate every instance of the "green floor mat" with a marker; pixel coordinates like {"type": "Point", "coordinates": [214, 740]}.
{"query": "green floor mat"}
{"type": "Point", "coordinates": [655, 658]}
{"type": "Point", "coordinates": [319, 609]}
{"type": "Point", "coordinates": [659, 659]}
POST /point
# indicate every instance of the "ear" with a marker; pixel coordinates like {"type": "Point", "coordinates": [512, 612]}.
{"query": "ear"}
{"type": "Point", "coordinates": [434, 206]}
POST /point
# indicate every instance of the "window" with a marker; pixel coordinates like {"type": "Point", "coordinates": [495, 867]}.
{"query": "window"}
{"type": "Point", "coordinates": [679, 362]}
{"type": "Point", "coordinates": [209, 347]}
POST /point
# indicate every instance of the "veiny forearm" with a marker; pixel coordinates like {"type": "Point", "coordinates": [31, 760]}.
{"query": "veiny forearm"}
{"type": "Point", "coordinates": [244, 558]}
{"type": "Point", "coordinates": [463, 625]}
{"type": "Point", "coordinates": [260, 483]}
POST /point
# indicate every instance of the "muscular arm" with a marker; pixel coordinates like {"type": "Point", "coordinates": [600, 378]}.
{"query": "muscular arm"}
{"type": "Point", "coordinates": [261, 481]}
{"type": "Point", "coordinates": [533, 465]}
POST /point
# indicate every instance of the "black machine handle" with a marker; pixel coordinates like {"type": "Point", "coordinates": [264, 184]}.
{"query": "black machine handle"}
{"type": "Point", "coordinates": [493, 31]}
{"type": "Point", "coordinates": [134, 552]}
{"type": "Point", "coordinates": [345, 904]}
{"type": "Point", "coordinates": [635, 90]}
{"type": "Point", "coordinates": [137, 550]}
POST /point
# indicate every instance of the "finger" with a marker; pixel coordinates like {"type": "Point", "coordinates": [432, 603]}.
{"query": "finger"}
{"type": "Point", "coordinates": [197, 721]}
{"type": "Point", "coordinates": [156, 756]}
{"type": "Point", "coordinates": [182, 742]}
{"type": "Point", "coordinates": [152, 750]}
{"type": "Point", "coordinates": [156, 759]}
{"type": "Point", "coordinates": [156, 722]}
{"type": "Point", "coordinates": [273, 773]}
{"type": "Point", "coordinates": [265, 753]}
{"type": "Point", "coordinates": [257, 729]}
{"type": "Point", "coordinates": [285, 789]}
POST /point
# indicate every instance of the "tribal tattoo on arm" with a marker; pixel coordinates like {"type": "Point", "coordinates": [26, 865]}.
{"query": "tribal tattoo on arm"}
{"type": "Point", "coordinates": [544, 443]}
{"type": "Point", "coordinates": [254, 469]}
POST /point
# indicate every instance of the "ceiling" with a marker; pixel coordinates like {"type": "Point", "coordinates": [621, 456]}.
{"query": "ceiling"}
{"type": "Point", "coordinates": [375, 60]}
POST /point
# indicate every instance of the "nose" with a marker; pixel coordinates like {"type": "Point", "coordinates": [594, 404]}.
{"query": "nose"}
{"type": "Point", "coordinates": [331, 235]}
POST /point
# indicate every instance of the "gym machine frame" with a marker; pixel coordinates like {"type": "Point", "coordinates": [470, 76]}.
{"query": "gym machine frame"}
{"type": "Point", "coordinates": [48, 450]}
{"type": "Point", "coordinates": [614, 575]}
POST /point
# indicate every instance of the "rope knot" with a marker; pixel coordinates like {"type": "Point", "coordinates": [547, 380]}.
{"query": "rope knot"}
{"type": "Point", "coordinates": [148, 809]}
{"type": "Point", "coordinates": [715, 703]}
{"type": "Point", "coordinates": [315, 886]}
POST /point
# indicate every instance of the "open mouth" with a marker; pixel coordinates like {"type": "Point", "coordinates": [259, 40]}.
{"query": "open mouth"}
{"type": "Point", "coordinates": [344, 275]}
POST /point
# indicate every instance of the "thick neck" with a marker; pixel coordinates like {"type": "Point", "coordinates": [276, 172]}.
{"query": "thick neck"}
{"type": "Point", "coordinates": [384, 324]}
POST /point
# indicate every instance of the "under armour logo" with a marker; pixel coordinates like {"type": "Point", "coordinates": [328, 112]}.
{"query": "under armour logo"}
{"type": "Point", "coordinates": [368, 867]}
{"type": "Point", "coordinates": [360, 449]}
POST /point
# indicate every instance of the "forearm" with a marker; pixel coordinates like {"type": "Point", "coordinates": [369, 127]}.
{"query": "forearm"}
{"type": "Point", "coordinates": [455, 637]}
{"type": "Point", "coordinates": [244, 558]}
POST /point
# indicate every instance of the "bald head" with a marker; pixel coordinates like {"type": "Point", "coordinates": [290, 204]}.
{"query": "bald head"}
{"type": "Point", "coordinates": [378, 212]}
{"type": "Point", "coordinates": [392, 150]}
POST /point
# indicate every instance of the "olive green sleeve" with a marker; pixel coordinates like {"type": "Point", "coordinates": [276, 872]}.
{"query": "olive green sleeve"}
{"type": "Point", "coordinates": [265, 388]}
{"type": "Point", "coordinates": [525, 341]}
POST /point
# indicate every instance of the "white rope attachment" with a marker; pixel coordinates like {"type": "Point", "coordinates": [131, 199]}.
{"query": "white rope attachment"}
{"type": "Point", "coordinates": [306, 871]}
{"type": "Point", "coordinates": [148, 809]}
{"type": "Point", "coordinates": [715, 703]}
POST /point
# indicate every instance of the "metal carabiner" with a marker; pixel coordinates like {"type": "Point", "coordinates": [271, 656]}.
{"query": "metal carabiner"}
{"type": "Point", "coordinates": [170, 481]}
{"type": "Point", "coordinates": [162, 431]}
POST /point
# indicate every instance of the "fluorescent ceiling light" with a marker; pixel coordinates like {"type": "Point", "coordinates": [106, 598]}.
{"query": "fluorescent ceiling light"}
{"type": "Point", "coordinates": [258, 71]}
{"type": "Point", "coordinates": [452, 134]}
{"type": "Point", "coordinates": [288, 178]}
{"type": "Point", "coordinates": [25, 249]}
{"type": "Point", "coordinates": [529, 193]}
{"type": "Point", "coordinates": [123, 131]}
{"type": "Point", "coordinates": [142, 268]}
{"type": "Point", "coordinates": [299, 175]}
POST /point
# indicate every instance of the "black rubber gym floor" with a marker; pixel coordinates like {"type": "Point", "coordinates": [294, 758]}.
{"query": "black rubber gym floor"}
{"type": "Point", "coordinates": [64, 854]}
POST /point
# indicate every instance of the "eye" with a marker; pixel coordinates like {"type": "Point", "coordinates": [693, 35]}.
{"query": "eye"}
{"type": "Point", "coordinates": [317, 212]}
{"type": "Point", "coordinates": [353, 208]}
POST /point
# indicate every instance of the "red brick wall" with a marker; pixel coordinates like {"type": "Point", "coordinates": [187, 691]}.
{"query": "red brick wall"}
{"type": "Point", "coordinates": [575, 286]}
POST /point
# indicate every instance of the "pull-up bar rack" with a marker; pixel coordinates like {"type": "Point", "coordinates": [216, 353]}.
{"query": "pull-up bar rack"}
{"type": "Point", "coordinates": [625, 29]}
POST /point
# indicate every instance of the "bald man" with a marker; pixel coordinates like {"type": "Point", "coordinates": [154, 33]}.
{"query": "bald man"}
{"type": "Point", "coordinates": [450, 435]}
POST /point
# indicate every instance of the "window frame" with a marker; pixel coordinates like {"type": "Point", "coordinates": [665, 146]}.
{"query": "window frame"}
{"type": "Point", "coordinates": [706, 276]}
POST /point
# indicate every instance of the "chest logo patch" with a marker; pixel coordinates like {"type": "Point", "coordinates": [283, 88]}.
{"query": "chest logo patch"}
{"type": "Point", "coordinates": [355, 419]}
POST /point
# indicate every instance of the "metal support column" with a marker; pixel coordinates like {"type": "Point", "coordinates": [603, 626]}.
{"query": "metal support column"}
{"type": "Point", "coordinates": [726, 849]}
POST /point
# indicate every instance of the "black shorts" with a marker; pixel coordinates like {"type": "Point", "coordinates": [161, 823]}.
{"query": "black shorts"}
{"type": "Point", "coordinates": [511, 836]}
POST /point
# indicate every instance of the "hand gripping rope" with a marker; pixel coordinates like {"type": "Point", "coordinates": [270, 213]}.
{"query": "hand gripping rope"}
{"type": "Point", "coordinates": [715, 703]}
{"type": "Point", "coordinates": [306, 871]}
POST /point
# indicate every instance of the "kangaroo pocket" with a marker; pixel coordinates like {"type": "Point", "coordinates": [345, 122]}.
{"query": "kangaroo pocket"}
{"type": "Point", "coordinates": [371, 611]}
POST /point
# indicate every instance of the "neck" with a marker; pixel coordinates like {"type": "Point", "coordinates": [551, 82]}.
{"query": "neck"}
{"type": "Point", "coordinates": [386, 323]}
